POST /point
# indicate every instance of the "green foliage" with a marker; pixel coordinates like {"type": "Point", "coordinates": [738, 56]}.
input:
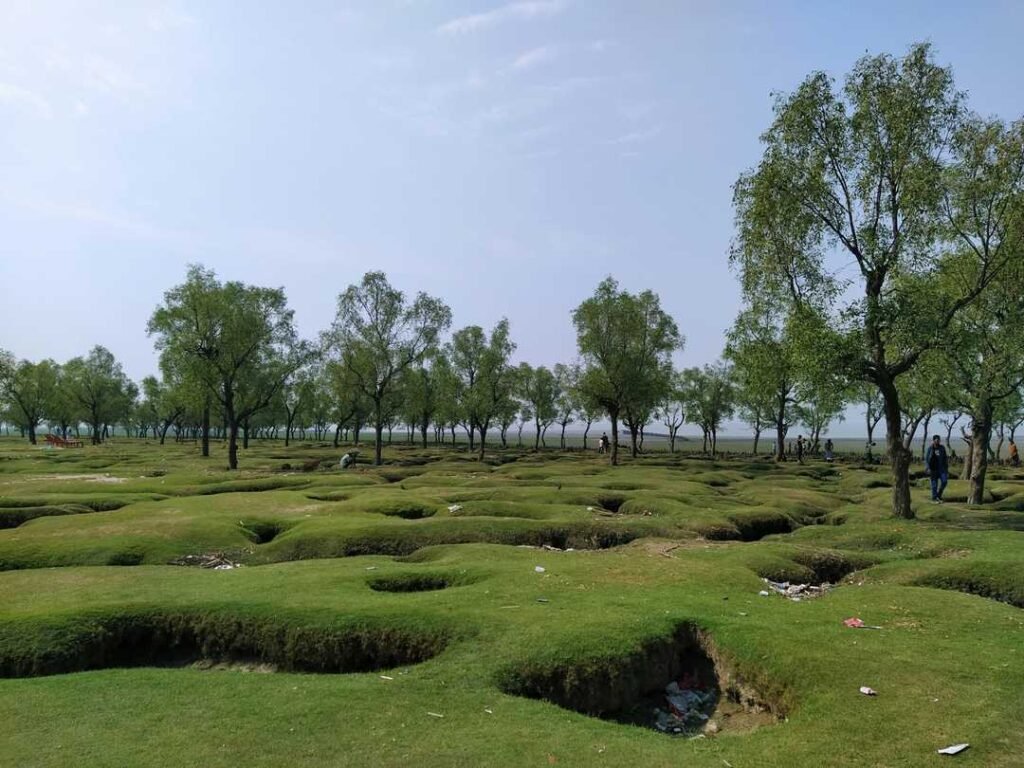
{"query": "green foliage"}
{"type": "Point", "coordinates": [885, 171]}
{"type": "Point", "coordinates": [378, 335]}
{"type": "Point", "coordinates": [238, 340]}
{"type": "Point", "coordinates": [626, 342]}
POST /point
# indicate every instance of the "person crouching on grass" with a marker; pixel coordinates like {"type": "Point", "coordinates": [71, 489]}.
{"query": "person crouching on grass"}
{"type": "Point", "coordinates": [938, 467]}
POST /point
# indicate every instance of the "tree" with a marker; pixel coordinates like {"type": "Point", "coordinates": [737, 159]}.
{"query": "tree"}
{"type": "Point", "coordinates": [28, 389]}
{"type": "Point", "coordinates": [766, 369]}
{"type": "Point", "coordinates": [296, 395]}
{"type": "Point", "coordinates": [818, 408]}
{"type": "Point", "coordinates": [163, 404]}
{"type": "Point", "coordinates": [567, 404]}
{"type": "Point", "coordinates": [238, 340]}
{"type": "Point", "coordinates": [626, 342]}
{"type": "Point", "coordinates": [873, 172]}
{"type": "Point", "coordinates": [671, 411]}
{"type": "Point", "coordinates": [707, 396]}
{"type": "Point", "coordinates": [422, 390]}
{"type": "Point", "coordinates": [99, 390]}
{"type": "Point", "coordinates": [539, 389]}
{"type": "Point", "coordinates": [985, 357]}
{"type": "Point", "coordinates": [484, 375]}
{"type": "Point", "coordinates": [871, 398]}
{"type": "Point", "coordinates": [350, 407]}
{"type": "Point", "coordinates": [380, 335]}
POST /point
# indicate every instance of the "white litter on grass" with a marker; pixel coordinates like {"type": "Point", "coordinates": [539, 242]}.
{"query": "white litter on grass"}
{"type": "Point", "coordinates": [868, 691]}
{"type": "Point", "coordinates": [765, 593]}
{"type": "Point", "coordinates": [455, 508]}
{"type": "Point", "coordinates": [434, 714]}
{"type": "Point", "coordinates": [385, 677]}
{"type": "Point", "coordinates": [488, 710]}
{"type": "Point", "coordinates": [539, 568]}
{"type": "Point", "coordinates": [956, 749]}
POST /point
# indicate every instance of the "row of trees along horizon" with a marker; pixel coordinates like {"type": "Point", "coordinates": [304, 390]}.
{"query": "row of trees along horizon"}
{"type": "Point", "coordinates": [879, 244]}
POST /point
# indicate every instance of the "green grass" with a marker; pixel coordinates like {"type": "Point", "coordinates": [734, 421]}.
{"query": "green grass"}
{"type": "Point", "coordinates": [382, 595]}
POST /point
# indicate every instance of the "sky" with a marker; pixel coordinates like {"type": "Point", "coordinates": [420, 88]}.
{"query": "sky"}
{"type": "Point", "coordinates": [503, 156]}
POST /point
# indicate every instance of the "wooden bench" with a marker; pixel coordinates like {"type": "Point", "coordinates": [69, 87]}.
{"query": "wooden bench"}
{"type": "Point", "coordinates": [59, 442]}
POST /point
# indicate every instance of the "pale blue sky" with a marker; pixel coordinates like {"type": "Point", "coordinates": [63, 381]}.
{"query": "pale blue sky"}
{"type": "Point", "coordinates": [503, 156]}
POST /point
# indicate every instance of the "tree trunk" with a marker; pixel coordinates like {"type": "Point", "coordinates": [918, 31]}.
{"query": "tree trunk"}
{"type": "Point", "coordinates": [714, 443]}
{"type": "Point", "coordinates": [423, 433]}
{"type": "Point", "coordinates": [483, 440]}
{"type": "Point", "coordinates": [780, 434]}
{"type": "Point", "coordinates": [32, 434]}
{"type": "Point", "coordinates": [561, 439]}
{"type": "Point", "coordinates": [981, 432]}
{"type": "Point", "coordinates": [378, 443]}
{"type": "Point", "coordinates": [900, 456]}
{"type": "Point", "coordinates": [757, 438]}
{"type": "Point", "coordinates": [586, 432]}
{"type": "Point", "coordinates": [232, 444]}
{"type": "Point", "coordinates": [924, 437]}
{"type": "Point", "coordinates": [206, 429]}
{"type": "Point", "coordinates": [163, 432]}
{"type": "Point", "coordinates": [245, 434]}
{"type": "Point", "coordinates": [633, 451]}
{"type": "Point", "coordinates": [614, 461]}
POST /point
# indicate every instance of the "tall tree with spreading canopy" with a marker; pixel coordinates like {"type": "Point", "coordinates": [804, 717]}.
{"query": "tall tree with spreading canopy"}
{"type": "Point", "coordinates": [860, 176]}
{"type": "Point", "coordinates": [484, 377]}
{"type": "Point", "coordinates": [238, 340]}
{"type": "Point", "coordinates": [539, 390]}
{"type": "Point", "coordinates": [766, 369]}
{"type": "Point", "coordinates": [379, 334]}
{"type": "Point", "coordinates": [99, 390]}
{"type": "Point", "coordinates": [626, 342]}
{"type": "Point", "coordinates": [28, 391]}
{"type": "Point", "coordinates": [708, 398]}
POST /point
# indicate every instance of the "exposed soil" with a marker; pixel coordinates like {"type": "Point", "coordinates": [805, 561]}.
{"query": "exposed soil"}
{"type": "Point", "coordinates": [677, 685]}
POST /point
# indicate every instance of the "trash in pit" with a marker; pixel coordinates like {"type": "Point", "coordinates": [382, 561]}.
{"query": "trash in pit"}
{"type": "Point", "coordinates": [796, 592]}
{"type": "Point", "coordinates": [217, 561]}
{"type": "Point", "coordinates": [683, 708]}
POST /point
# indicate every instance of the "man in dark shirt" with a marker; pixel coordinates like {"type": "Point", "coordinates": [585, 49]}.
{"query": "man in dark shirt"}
{"type": "Point", "coordinates": [938, 467]}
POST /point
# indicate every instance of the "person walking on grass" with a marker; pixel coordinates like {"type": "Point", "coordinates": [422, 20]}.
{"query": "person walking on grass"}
{"type": "Point", "coordinates": [829, 446]}
{"type": "Point", "coordinates": [938, 467]}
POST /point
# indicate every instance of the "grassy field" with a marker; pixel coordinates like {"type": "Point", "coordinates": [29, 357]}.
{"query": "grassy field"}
{"type": "Point", "coordinates": [446, 612]}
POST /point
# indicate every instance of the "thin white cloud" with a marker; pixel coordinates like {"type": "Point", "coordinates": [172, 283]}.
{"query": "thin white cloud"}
{"type": "Point", "coordinates": [16, 96]}
{"type": "Point", "coordinates": [533, 58]}
{"type": "Point", "coordinates": [636, 137]}
{"type": "Point", "coordinates": [600, 46]}
{"type": "Point", "coordinates": [524, 10]}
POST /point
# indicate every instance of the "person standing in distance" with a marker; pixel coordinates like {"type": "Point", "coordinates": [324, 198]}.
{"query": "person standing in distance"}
{"type": "Point", "coordinates": [938, 467]}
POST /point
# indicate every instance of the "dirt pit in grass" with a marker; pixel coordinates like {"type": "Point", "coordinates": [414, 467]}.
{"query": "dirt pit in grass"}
{"type": "Point", "coordinates": [679, 686]}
